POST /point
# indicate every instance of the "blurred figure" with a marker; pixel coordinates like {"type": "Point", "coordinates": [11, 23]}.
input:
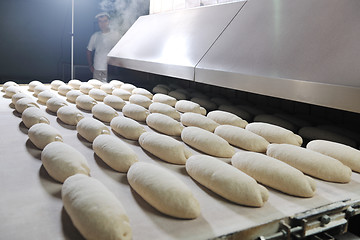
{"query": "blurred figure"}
{"type": "Point", "coordinates": [100, 45]}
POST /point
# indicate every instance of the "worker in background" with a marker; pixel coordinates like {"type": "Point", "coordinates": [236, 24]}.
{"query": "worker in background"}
{"type": "Point", "coordinates": [100, 45]}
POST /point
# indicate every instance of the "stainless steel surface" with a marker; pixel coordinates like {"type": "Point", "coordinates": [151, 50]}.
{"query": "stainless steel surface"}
{"type": "Point", "coordinates": [172, 43]}
{"type": "Point", "coordinates": [301, 50]}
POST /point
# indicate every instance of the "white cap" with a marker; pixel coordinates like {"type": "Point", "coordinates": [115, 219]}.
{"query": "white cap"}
{"type": "Point", "coordinates": [102, 14]}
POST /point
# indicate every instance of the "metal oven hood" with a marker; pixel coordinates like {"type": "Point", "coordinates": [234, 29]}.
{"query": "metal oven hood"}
{"type": "Point", "coordinates": [301, 50]}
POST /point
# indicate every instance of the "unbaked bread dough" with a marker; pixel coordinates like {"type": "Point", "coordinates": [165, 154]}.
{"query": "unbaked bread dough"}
{"type": "Point", "coordinates": [162, 98]}
{"type": "Point", "coordinates": [239, 112]}
{"type": "Point", "coordinates": [32, 116]}
{"type": "Point", "coordinates": [198, 120]}
{"type": "Point", "coordinates": [55, 84]}
{"type": "Point", "coordinates": [226, 180]}
{"type": "Point", "coordinates": [72, 95]}
{"type": "Point", "coordinates": [116, 83]}
{"type": "Point", "coordinates": [96, 83]}
{"type": "Point", "coordinates": [164, 147]}
{"type": "Point", "coordinates": [178, 95]}
{"type": "Point", "coordinates": [40, 88]}
{"type": "Point", "coordinates": [53, 104]}
{"type": "Point", "coordinates": [44, 96]}
{"type": "Point", "coordinates": [97, 94]}
{"type": "Point", "coordinates": [135, 112]}
{"type": "Point", "coordinates": [160, 89]}
{"type": "Point", "coordinates": [310, 162]}
{"type": "Point", "coordinates": [163, 190]}
{"type": "Point", "coordinates": [226, 118]}
{"type": "Point", "coordinates": [345, 154]}
{"type": "Point", "coordinates": [107, 87]}
{"type": "Point", "coordinates": [86, 87]}
{"type": "Point", "coordinates": [62, 161]}
{"type": "Point", "coordinates": [127, 127]}
{"type": "Point", "coordinates": [41, 134]}
{"type": "Point", "coordinates": [274, 173]}
{"type": "Point", "coordinates": [104, 112]}
{"type": "Point", "coordinates": [128, 87]}
{"type": "Point", "coordinates": [12, 90]}
{"type": "Point", "coordinates": [157, 107]}
{"type": "Point", "coordinates": [69, 115]}
{"type": "Point", "coordinates": [125, 95]}
{"type": "Point", "coordinates": [115, 102]}
{"type": "Point", "coordinates": [90, 128]}
{"type": "Point", "coordinates": [85, 102]}
{"type": "Point", "coordinates": [207, 142]}
{"type": "Point", "coordinates": [140, 100]}
{"type": "Point", "coordinates": [24, 103]}
{"type": "Point", "coordinates": [272, 119]}
{"type": "Point", "coordinates": [8, 84]}
{"type": "Point", "coordinates": [187, 106]}
{"type": "Point", "coordinates": [205, 103]}
{"type": "Point", "coordinates": [274, 134]}
{"type": "Point", "coordinates": [75, 84]}
{"type": "Point", "coordinates": [18, 96]}
{"type": "Point", "coordinates": [114, 152]}
{"type": "Point", "coordinates": [242, 138]}
{"type": "Point", "coordinates": [94, 210]}
{"type": "Point", "coordinates": [164, 124]}
{"type": "Point", "coordinates": [63, 89]}
{"type": "Point", "coordinates": [33, 84]}
{"type": "Point", "coordinates": [142, 91]}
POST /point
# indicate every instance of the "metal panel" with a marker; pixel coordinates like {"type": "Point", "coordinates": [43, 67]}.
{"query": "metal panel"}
{"type": "Point", "coordinates": [301, 50]}
{"type": "Point", "coordinates": [172, 43]}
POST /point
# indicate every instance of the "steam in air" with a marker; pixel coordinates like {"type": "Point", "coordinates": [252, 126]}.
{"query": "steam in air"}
{"type": "Point", "coordinates": [124, 12]}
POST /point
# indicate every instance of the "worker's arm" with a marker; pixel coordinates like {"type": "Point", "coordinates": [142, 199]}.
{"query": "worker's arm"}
{"type": "Point", "coordinates": [89, 57]}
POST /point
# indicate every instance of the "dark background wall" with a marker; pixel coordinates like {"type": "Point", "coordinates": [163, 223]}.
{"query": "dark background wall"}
{"type": "Point", "coordinates": [35, 38]}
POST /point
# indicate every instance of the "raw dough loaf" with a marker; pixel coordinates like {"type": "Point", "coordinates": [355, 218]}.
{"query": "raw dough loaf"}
{"type": "Point", "coordinates": [69, 115]}
{"type": "Point", "coordinates": [157, 107]}
{"type": "Point", "coordinates": [41, 134]}
{"type": "Point", "coordinates": [114, 101]}
{"type": "Point", "coordinates": [207, 142]}
{"type": "Point", "coordinates": [274, 134]}
{"type": "Point", "coordinates": [97, 94]}
{"type": "Point", "coordinates": [125, 95]}
{"type": "Point", "coordinates": [12, 90]}
{"type": "Point", "coordinates": [178, 95]}
{"type": "Point", "coordinates": [127, 127]}
{"type": "Point", "coordinates": [205, 103]}
{"type": "Point", "coordinates": [55, 84]}
{"type": "Point", "coordinates": [135, 112]}
{"type": "Point", "coordinates": [163, 190]}
{"type": "Point", "coordinates": [164, 147]}
{"type": "Point", "coordinates": [86, 87]}
{"type": "Point", "coordinates": [96, 83]}
{"type": "Point", "coordinates": [72, 95]}
{"type": "Point", "coordinates": [313, 133]}
{"type": "Point", "coordinates": [8, 84]}
{"type": "Point", "coordinates": [94, 210]}
{"type": "Point", "coordinates": [295, 120]}
{"type": "Point", "coordinates": [160, 89]}
{"type": "Point", "coordinates": [44, 96]}
{"type": "Point", "coordinates": [18, 96]}
{"type": "Point", "coordinates": [226, 180]}
{"type": "Point", "coordinates": [310, 162]}
{"type": "Point", "coordinates": [24, 103]}
{"type": "Point", "coordinates": [40, 88]}
{"type": "Point", "coordinates": [142, 91]}
{"type": "Point", "coordinates": [63, 89]}
{"type": "Point", "coordinates": [128, 87]}
{"type": "Point", "coordinates": [107, 87]}
{"type": "Point", "coordinates": [345, 154]}
{"type": "Point", "coordinates": [62, 161]}
{"type": "Point", "coordinates": [90, 128]}
{"type": "Point", "coordinates": [239, 112]}
{"type": "Point", "coordinates": [187, 106]}
{"type": "Point", "coordinates": [140, 100]}
{"type": "Point", "coordinates": [242, 138]}
{"type": "Point", "coordinates": [34, 84]}
{"type": "Point", "coordinates": [114, 152]}
{"type": "Point", "coordinates": [32, 116]}
{"type": "Point", "coordinates": [268, 118]}
{"type": "Point", "coordinates": [164, 124]}
{"type": "Point", "coordinates": [227, 118]}
{"type": "Point", "coordinates": [85, 102]}
{"type": "Point", "coordinates": [75, 84]}
{"type": "Point", "coordinates": [274, 173]}
{"type": "Point", "coordinates": [162, 98]}
{"type": "Point", "coordinates": [104, 112]}
{"type": "Point", "coordinates": [53, 104]}
{"type": "Point", "coordinates": [116, 83]}
{"type": "Point", "coordinates": [198, 120]}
